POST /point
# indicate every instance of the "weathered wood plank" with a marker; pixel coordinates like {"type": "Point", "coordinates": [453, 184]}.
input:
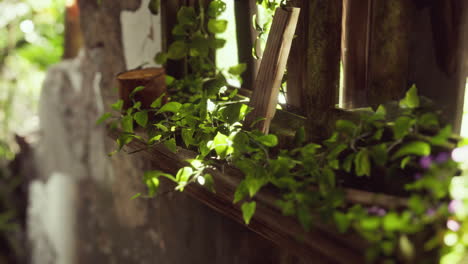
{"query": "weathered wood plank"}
{"type": "Point", "coordinates": [265, 94]}
{"type": "Point", "coordinates": [246, 35]}
{"type": "Point", "coordinates": [355, 51]}
{"type": "Point", "coordinates": [169, 11]}
{"type": "Point", "coordinates": [320, 243]}
{"type": "Point", "coordinates": [388, 51]}
{"type": "Point", "coordinates": [323, 66]}
{"type": "Point", "coordinates": [297, 62]}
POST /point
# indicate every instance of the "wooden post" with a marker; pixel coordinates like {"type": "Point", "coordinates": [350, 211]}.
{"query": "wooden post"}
{"type": "Point", "coordinates": [355, 52]}
{"type": "Point", "coordinates": [73, 37]}
{"type": "Point", "coordinates": [265, 94]}
{"type": "Point", "coordinates": [246, 35]}
{"type": "Point", "coordinates": [169, 11]}
{"type": "Point", "coordinates": [323, 66]}
{"type": "Point", "coordinates": [297, 63]}
{"type": "Point", "coordinates": [388, 51]}
{"type": "Point", "coordinates": [439, 55]}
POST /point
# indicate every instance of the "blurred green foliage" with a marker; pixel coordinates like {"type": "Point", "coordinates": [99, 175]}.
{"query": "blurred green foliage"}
{"type": "Point", "coordinates": [31, 39]}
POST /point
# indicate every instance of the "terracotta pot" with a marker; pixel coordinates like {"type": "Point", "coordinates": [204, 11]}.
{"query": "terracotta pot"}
{"type": "Point", "coordinates": [154, 81]}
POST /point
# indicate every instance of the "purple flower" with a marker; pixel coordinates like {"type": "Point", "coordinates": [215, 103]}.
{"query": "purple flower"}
{"type": "Point", "coordinates": [430, 212]}
{"type": "Point", "coordinates": [417, 176]}
{"type": "Point", "coordinates": [454, 205]}
{"type": "Point", "coordinates": [453, 225]}
{"type": "Point", "coordinates": [442, 157]}
{"type": "Point", "coordinates": [375, 210]}
{"type": "Point", "coordinates": [425, 162]}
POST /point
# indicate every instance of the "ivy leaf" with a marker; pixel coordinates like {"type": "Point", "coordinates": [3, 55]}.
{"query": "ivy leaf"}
{"type": "Point", "coordinates": [392, 222]}
{"type": "Point", "coordinates": [234, 112]}
{"type": "Point", "coordinates": [342, 222]}
{"type": "Point", "coordinates": [183, 175]}
{"type": "Point", "coordinates": [216, 26]}
{"type": "Point", "coordinates": [402, 127]}
{"type": "Point", "coordinates": [268, 140]}
{"type": "Point", "coordinates": [141, 118]}
{"type": "Point", "coordinates": [405, 162]}
{"type": "Point", "coordinates": [429, 120]}
{"type": "Point", "coordinates": [443, 135]}
{"type": "Point", "coordinates": [172, 107]}
{"type": "Point", "coordinates": [127, 123]}
{"type": "Point", "coordinates": [221, 145]}
{"type": "Point", "coordinates": [416, 204]}
{"type": "Point", "coordinates": [177, 50]}
{"type": "Point", "coordinates": [198, 47]}
{"type": "Point", "coordinates": [348, 162]}
{"type": "Point", "coordinates": [238, 69]}
{"type": "Point", "coordinates": [123, 140]}
{"type": "Point", "coordinates": [157, 174]}
{"type": "Point", "coordinates": [241, 191]}
{"type": "Point", "coordinates": [186, 15]}
{"type": "Point", "coordinates": [162, 127]}
{"type": "Point", "coordinates": [299, 136]}
{"type": "Point", "coordinates": [153, 6]}
{"type": "Point", "coordinates": [216, 8]}
{"type": "Point", "coordinates": [187, 136]}
{"type": "Point", "coordinates": [135, 196]}
{"type": "Point", "coordinates": [346, 126]}
{"type": "Point", "coordinates": [370, 223]}
{"type": "Point", "coordinates": [418, 148]}
{"type": "Point", "coordinates": [411, 99]}
{"type": "Point", "coordinates": [152, 184]}
{"type": "Point", "coordinates": [103, 118]}
{"type": "Point", "coordinates": [136, 90]}
{"type": "Point", "coordinates": [157, 103]}
{"type": "Point", "coordinates": [171, 145]}
{"type": "Point", "coordinates": [379, 154]}
{"type": "Point", "coordinates": [117, 106]}
{"type": "Point", "coordinates": [381, 111]}
{"type": "Point", "coordinates": [217, 43]}
{"type": "Point", "coordinates": [248, 210]}
{"type": "Point", "coordinates": [328, 177]}
{"type": "Point", "coordinates": [305, 217]}
{"type": "Point", "coordinates": [287, 207]}
{"type": "Point", "coordinates": [169, 80]}
{"type": "Point", "coordinates": [161, 58]}
{"type": "Point", "coordinates": [362, 163]}
{"type": "Point", "coordinates": [209, 182]}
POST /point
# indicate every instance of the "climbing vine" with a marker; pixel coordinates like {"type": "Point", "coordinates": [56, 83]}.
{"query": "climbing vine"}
{"type": "Point", "coordinates": [402, 148]}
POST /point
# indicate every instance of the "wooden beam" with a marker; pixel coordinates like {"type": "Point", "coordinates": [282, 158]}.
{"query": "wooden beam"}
{"type": "Point", "coordinates": [265, 94]}
{"type": "Point", "coordinates": [320, 243]}
{"type": "Point", "coordinates": [355, 52]}
{"type": "Point", "coordinates": [388, 62]}
{"type": "Point", "coordinates": [169, 11]}
{"type": "Point", "coordinates": [297, 62]}
{"type": "Point", "coordinates": [323, 66]}
{"type": "Point", "coordinates": [246, 35]}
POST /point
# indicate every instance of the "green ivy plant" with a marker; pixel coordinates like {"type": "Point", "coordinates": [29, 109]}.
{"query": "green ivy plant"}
{"type": "Point", "coordinates": [402, 143]}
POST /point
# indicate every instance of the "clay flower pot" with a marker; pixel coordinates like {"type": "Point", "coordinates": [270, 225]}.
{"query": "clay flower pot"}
{"type": "Point", "coordinates": [154, 81]}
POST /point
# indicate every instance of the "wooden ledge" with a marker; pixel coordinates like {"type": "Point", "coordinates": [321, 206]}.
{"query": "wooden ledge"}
{"type": "Point", "coordinates": [320, 243]}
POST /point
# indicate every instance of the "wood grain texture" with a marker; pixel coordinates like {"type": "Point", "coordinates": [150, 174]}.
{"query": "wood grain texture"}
{"type": "Point", "coordinates": [320, 243]}
{"type": "Point", "coordinates": [323, 66]}
{"type": "Point", "coordinates": [388, 51]}
{"type": "Point", "coordinates": [246, 34]}
{"type": "Point", "coordinates": [154, 81]}
{"type": "Point", "coordinates": [297, 62]}
{"type": "Point", "coordinates": [355, 52]}
{"type": "Point", "coordinates": [265, 94]}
